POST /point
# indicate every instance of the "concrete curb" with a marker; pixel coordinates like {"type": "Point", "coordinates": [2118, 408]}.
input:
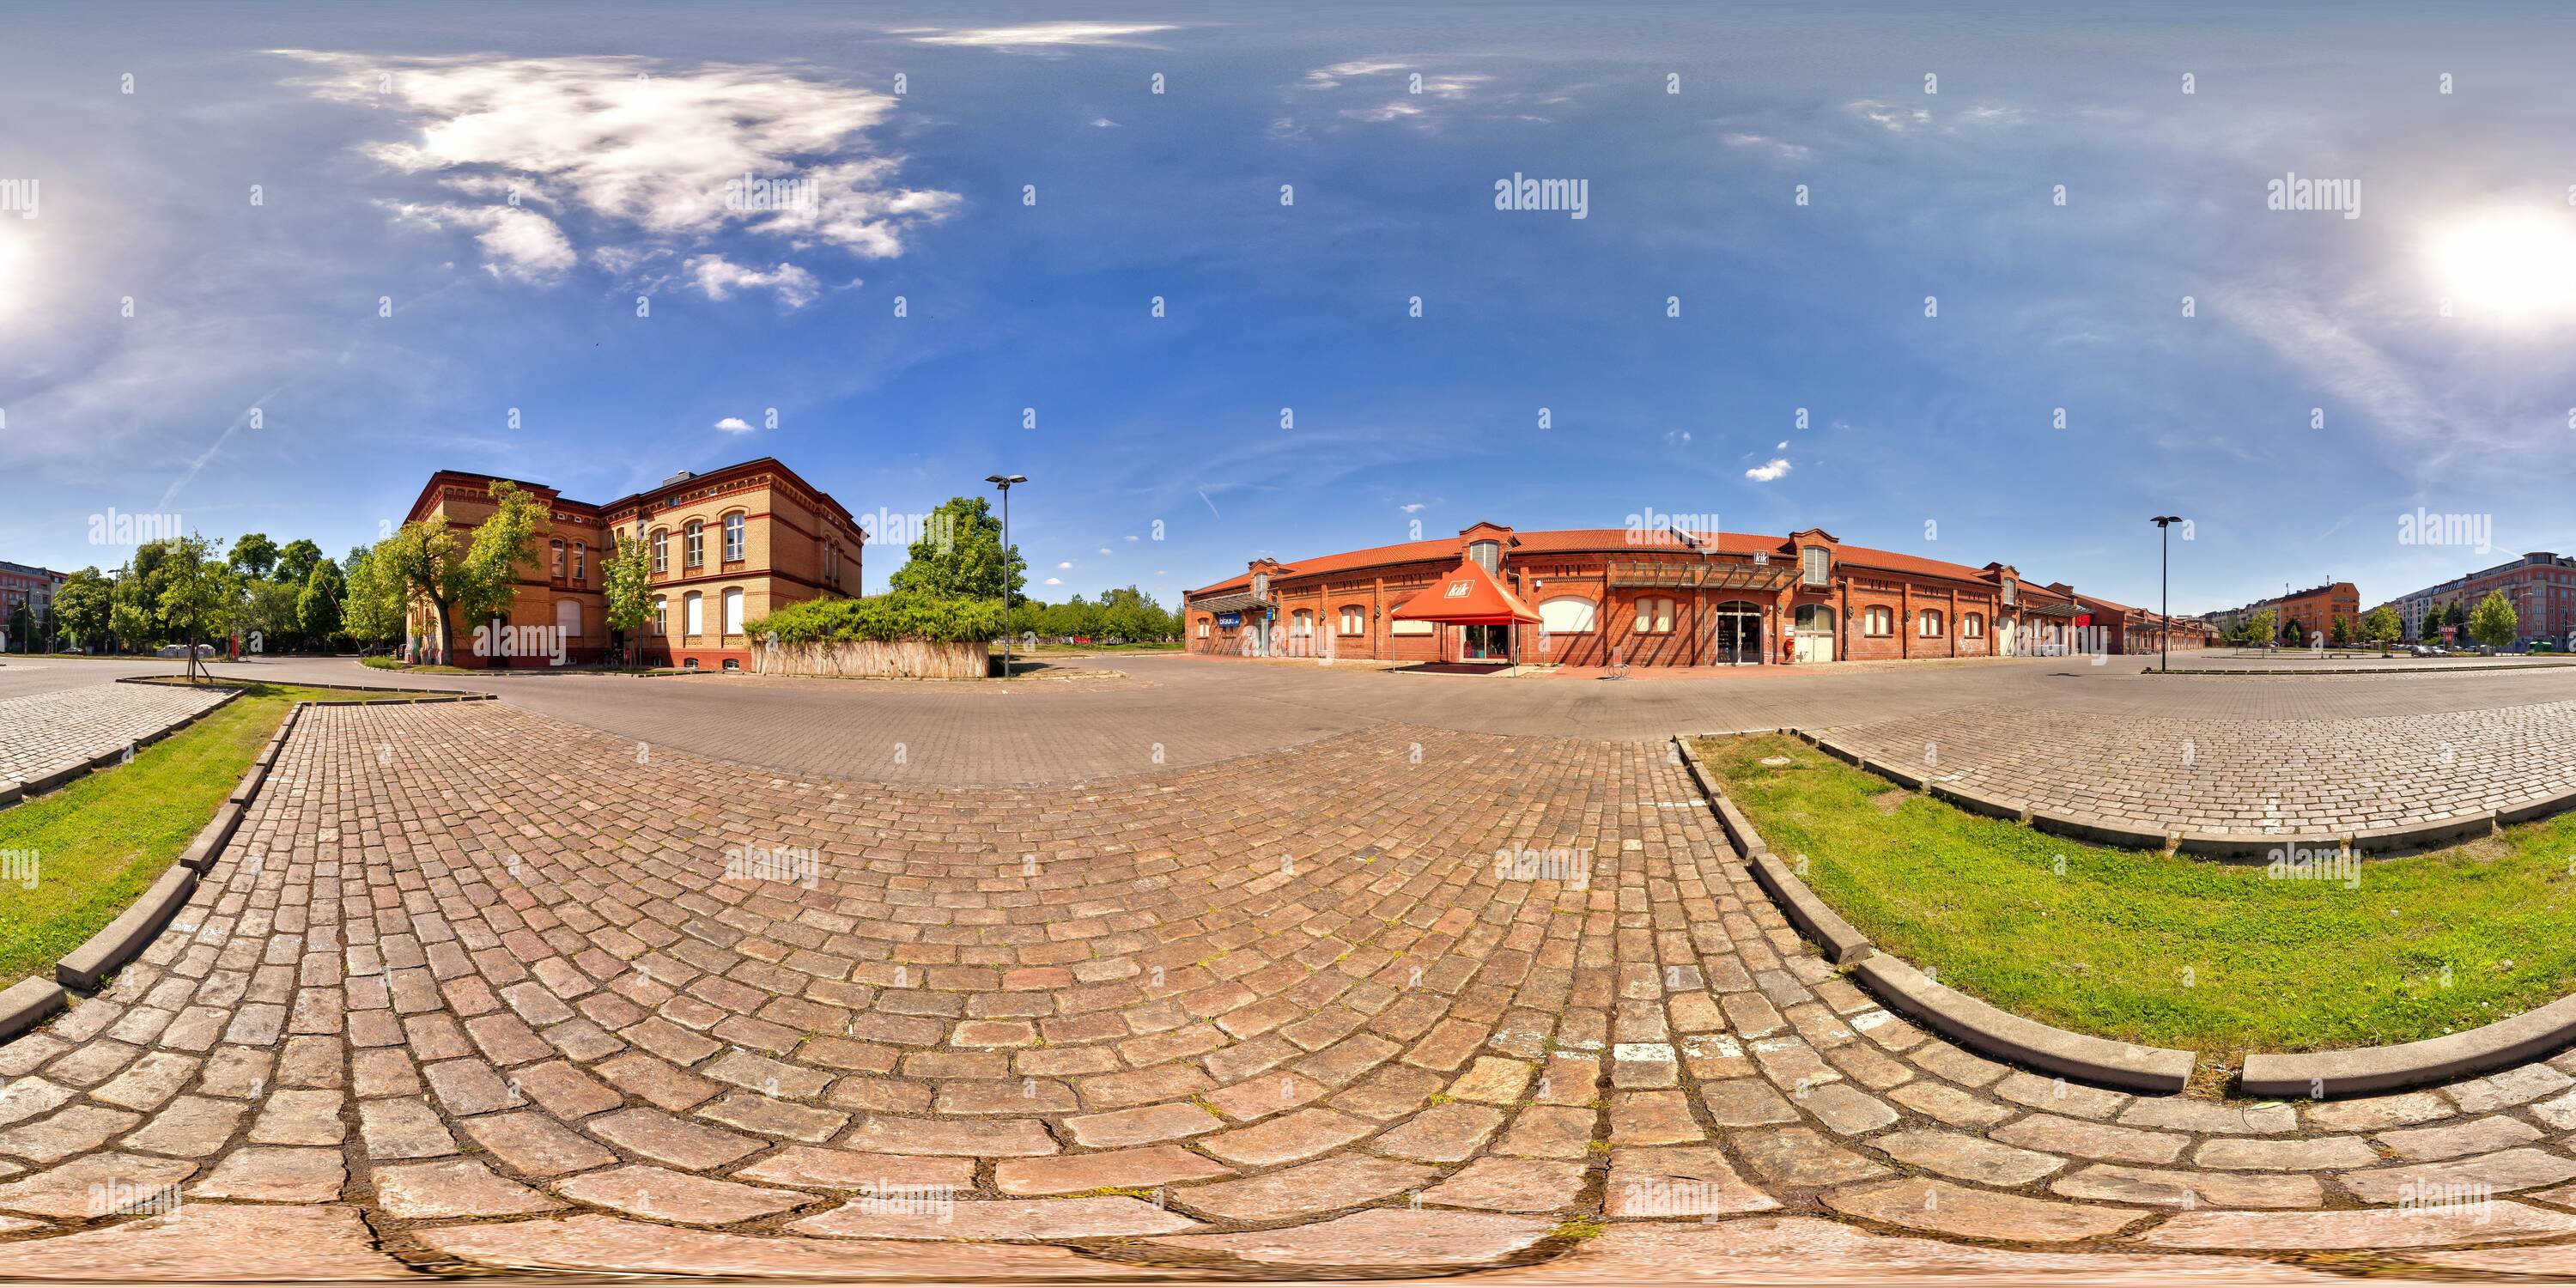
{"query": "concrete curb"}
{"type": "Point", "coordinates": [28, 1003]}
{"type": "Point", "coordinates": [1999, 1033]}
{"type": "Point", "coordinates": [118, 942]}
{"type": "Point", "coordinates": [2307, 672]}
{"type": "Point", "coordinates": [2503, 1044]}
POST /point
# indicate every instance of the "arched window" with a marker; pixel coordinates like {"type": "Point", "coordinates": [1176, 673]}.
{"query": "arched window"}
{"type": "Point", "coordinates": [661, 615]}
{"type": "Point", "coordinates": [693, 544]}
{"type": "Point", "coordinates": [1877, 621]}
{"type": "Point", "coordinates": [1567, 615]}
{"type": "Point", "coordinates": [1354, 620]}
{"type": "Point", "coordinates": [733, 611]}
{"type": "Point", "coordinates": [733, 537]}
{"type": "Point", "coordinates": [556, 548]}
{"type": "Point", "coordinates": [693, 614]}
{"type": "Point", "coordinates": [1302, 623]}
{"type": "Point", "coordinates": [1654, 615]}
{"type": "Point", "coordinates": [1930, 624]}
{"type": "Point", "coordinates": [580, 562]}
{"type": "Point", "coordinates": [568, 618]}
{"type": "Point", "coordinates": [661, 551]}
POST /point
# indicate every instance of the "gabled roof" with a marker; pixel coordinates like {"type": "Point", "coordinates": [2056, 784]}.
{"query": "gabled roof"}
{"type": "Point", "coordinates": [1468, 594]}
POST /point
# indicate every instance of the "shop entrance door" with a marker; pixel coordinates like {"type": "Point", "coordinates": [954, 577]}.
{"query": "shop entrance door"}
{"type": "Point", "coordinates": [1737, 640]}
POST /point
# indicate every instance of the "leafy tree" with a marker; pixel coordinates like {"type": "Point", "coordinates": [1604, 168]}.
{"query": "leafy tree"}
{"type": "Point", "coordinates": [22, 627]}
{"type": "Point", "coordinates": [253, 554]}
{"type": "Point", "coordinates": [82, 602]}
{"type": "Point", "coordinates": [317, 603]}
{"type": "Point", "coordinates": [901, 615]}
{"type": "Point", "coordinates": [2494, 623]}
{"type": "Point", "coordinates": [473, 582]}
{"type": "Point", "coordinates": [296, 561]}
{"type": "Point", "coordinates": [2339, 630]}
{"type": "Point", "coordinates": [196, 592]}
{"type": "Point", "coordinates": [2261, 627]}
{"type": "Point", "coordinates": [264, 614]}
{"type": "Point", "coordinates": [2382, 627]}
{"type": "Point", "coordinates": [626, 578]}
{"type": "Point", "coordinates": [373, 607]}
{"type": "Point", "coordinates": [959, 555]}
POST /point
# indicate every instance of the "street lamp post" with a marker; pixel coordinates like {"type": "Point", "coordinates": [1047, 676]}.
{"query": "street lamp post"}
{"type": "Point", "coordinates": [1004, 482]}
{"type": "Point", "coordinates": [2164, 592]}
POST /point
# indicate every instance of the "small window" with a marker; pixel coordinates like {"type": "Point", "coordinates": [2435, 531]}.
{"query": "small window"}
{"type": "Point", "coordinates": [1302, 623]}
{"type": "Point", "coordinates": [1354, 620]}
{"type": "Point", "coordinates": [1877, 621]}
{"type": "Point", "coordinates": [661, 551]}
{"type": "Point", "coordinates": [1812, 564]}
{"type": "Point", "coordinates": [556, 547]}
{"type": "Point", "coordinates": [693, 544]}
{"type": "Point", "coordinates": [580, 562]}
{"type": "Point", "coordinates": [661, 615]}
{"type": "Point", "coordinates": [1972, 626]}
{"type": "Point", "coordinates": [733, 538]}
{"type": "Point", "coordinates": [733, 664]}
{"type": "Point", "coordinates": [1203, 628]}
{"type": "Point", "coordinates": [1655, 615]}
{"type": "Point", "coordinates": [1929, 624]}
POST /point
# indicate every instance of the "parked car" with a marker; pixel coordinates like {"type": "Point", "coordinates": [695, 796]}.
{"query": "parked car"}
{"type": "Point", "coordinates": [181, 650]}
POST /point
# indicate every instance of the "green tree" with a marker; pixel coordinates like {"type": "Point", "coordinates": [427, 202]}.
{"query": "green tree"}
{"type": "Point", "coordinates": [264, 614]}
{"type": "Point", "coordinates": [2339, 633]}
{"type": "Point", "coordinates": [2382, 627]}
{"type": "Point", "coordinates": [82, 603]}
{"type": "Point", "coordinates": [626, 579]}
{"type": "Point", "coordinates": [296, 561]}
{"type": "Point", "coordinates": [2262, 627]}
{"type": "Point", "coordinates": [22, 628]}
{"type": "Point", "coordinates": [474, 582]}
{"type": "Point", "coordinates": [253, 555]}
{"type": "Point", "coordinates": [2494, 624]}
{"type": "Point", "coordinates": [372, 607]}
{"type": "Point", "coordinates": [196, 593]}
{"type": "Point", "coordinates": [959, 555]}
{"type": "Point", "coordinates": [317, 603]}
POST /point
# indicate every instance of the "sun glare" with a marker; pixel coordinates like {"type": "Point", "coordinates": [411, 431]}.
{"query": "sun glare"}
{"type": "Point", "coordinates": [2515, 265]}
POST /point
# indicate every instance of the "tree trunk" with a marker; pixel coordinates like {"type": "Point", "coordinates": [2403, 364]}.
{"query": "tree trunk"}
{"type": "Point", "coordinates": [446, 636]}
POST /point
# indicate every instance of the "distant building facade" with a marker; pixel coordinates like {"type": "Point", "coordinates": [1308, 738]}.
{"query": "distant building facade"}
{"type": "Point", "coordinates": [2303, 616]}
{"type": "Point", "coordinates": [728, 546]}
{"type": "Point", "coordinates": [2540, 585]}
{"type": "Point", "coordinates": [28, 585]}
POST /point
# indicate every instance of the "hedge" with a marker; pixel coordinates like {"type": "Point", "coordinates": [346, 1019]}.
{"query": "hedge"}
{"type": "Point", "coordinates": [897, 616]}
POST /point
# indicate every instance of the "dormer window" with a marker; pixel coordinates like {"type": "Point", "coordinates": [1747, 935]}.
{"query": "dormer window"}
{"type": "Point", "coordinates": [1811, 562]}
{"type": "Point", "coordinates": [2012, 591]}
{"type": "Point", "coordinates": [1488, 554]}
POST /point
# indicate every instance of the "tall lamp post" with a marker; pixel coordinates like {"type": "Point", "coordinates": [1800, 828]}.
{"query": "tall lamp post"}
{"type": "Point", "coordinates": [2164, 580]}
{"type": "Point", "coordinates": [1004, 482]}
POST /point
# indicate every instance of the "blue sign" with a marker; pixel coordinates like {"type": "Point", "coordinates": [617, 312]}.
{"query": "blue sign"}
{"type": "Point", "coordinates": [1229, 619]}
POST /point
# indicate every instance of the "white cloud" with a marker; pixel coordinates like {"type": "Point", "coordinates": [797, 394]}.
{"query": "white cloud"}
{"type": "Point", "coordinates": [1677, 437]}
{"type": "Point", "coordinates": [1781, 446]}
{"type": "Point", "coordinates": [720, 277]}
{"type": "Point", "coordinates": [734, 425]}
{"type": "Point", "coordinates": [1131, 537]}
{"type": "Point", "coordinates": [1066, 564]}
{"type": "Point", "coordinates": [1768, 472]}
{"type": "Point", "coordinates": [1039, 36]}
{"type": "Point", "coordinates": [1332, 77]}
{"type": "Point", "coordinates": [1411, 507]}
{"type": "Point", "coordinates": [1103, 123]}
{"type": "Point", "coordinates": [1785, 151]}
{"type": "Point", "coordinates": [1052, 581]}
{"type": "Point", "coordinates": [1104, 550]}
{"type": "Point", "coordinates": [631, 154]}
{"type": "Point", "coordinates": [1433, 86]}
{"type": "Point", "coordinates": [1895, 119]}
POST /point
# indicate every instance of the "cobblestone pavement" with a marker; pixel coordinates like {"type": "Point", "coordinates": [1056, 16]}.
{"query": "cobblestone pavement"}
{"type": "Point", "coordinates": [44, 732]}
{"type": "Point", "coordinates": [476, 987]}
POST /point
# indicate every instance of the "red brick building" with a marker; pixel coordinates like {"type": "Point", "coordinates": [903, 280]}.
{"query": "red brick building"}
{"type": "Point", "coordinates": [2139, 630]}
{"type": "Point", "coordinates": [728, 546]}
{"type": "Point", "coordinates": [1650, 597]}
{"type": "Point", "coordinates": [2541, 586]}
{"type": "Point", "coordinates": [2305, 616]}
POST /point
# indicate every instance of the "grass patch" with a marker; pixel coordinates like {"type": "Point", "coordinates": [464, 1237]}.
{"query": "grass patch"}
{"type": "Point", "coordinates": [383, 663]}
{"type": "Point", "coordinates": [105, 838]}
{"type": "Point", "coordinates": [2168, 949]}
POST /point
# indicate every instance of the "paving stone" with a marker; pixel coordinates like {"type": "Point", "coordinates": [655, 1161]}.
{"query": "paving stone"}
{"type": "Point", "coordinates": [904, 1217]}
{"type": "Point", "coordinates": [1797, 1157]}
{"type": "Point", "coordinates": [1678, 1181]}
{"type": "Point", "coordinates": [1380, 1238]}
{"type": "Point", "coordinates": [2517, 1086]}
{"type": "Point", "coordinates": [1943, 1103]}
{"type": "Point", "coordinates": [2059, 1096]}
{"type": "Point", "coordinates": [2050, 1134]}
{"type": "Point", "coordinates": [242, 1242]}
{"type": "Point", "coordinates": [607, 1245]}
{"type": "Point", "coordinates": [533, 1144]}
{"type": "Point", "coordinates": [2455, 1140]}
{"type": "Point", "coordinates": [2501, 1221]}
{"type": "Point", "coordinates": [77, 1188]}
{"type": "Point", "coordinates": [76, 1130]}
{"type": "Point", "coordinates": [2315, 1154]}
{"type": "Point", "coordinates": [1511, 1185]}
{"type": "Point", "coordinates": [748, 1111]}
{"type": "Point", "coordinates": [1968, 1158]}
{"type": "Point", "coordinates": [1801, 1250]}
{"type": "Point", "coordinates": [1940, 1207]}
{"type": "Point", "coordinates": [275, 1174]}
{"type": "Point", "coordinates": [403, 1128]}
{"type": "Point", "coordinates": [1143, 1125]}
{"type": "Point", "coordinates": [2200, 1117]}
{"type": "Point", "coordinates": [660, 1194]}
{"type": "Point", "coordinates": [1327, 1185]}
{"type": "Point", "coordinates": [300, 1118]}
{"type": "Point", "coordinates": [192, 1127]}
{"type": "Point", "coordinates": [1846, 1111]}
{"type": "Point", "coordinates": [650, 1133]}
{"type": "Point", "coordinates": [1746, 1102]}
{"type": "Point", "coordinates": [988, 1138]}
{"type": "Point", "coordinates": [1147, 1167]}
{"type": "Point", "coordinates": [1552, 1131]}
{"type": "Point", "coordinates": [1447, 1133]}
{"type": "Point", "coordinates": [1306, 1134]}
{"type": "Point", "coordinates": [453, 1187]}
{"type": "Point", "coordinates": [2498, 1173]}
{"type": "Point", "coordinates": [2113, 1183]}
{"type": "Point", "coordinates": [2376, 1113]}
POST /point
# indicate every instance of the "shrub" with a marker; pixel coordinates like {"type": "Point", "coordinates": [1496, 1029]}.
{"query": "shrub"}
{"type": "Point", "coordinates": [898, 616]}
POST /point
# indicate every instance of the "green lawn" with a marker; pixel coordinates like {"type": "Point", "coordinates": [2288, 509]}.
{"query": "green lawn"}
{"type": "Point", "coordinates": [106, 837]}
{"type": "Point", "coordinates": [2171, 950]}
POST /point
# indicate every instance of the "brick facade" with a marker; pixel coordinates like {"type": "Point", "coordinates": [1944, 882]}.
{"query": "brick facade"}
{"type": "Point", "coordinates": [2541, 585]}
{"type": "Point", "coordinates": [2312, 612]}
{"type": "Point", "coordinates": [794, 543]}
{"type": "Point", "coordinates": [1644, 598]}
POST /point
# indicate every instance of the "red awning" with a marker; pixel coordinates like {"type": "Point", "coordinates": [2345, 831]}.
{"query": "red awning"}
{"type": "Point", "coordinates": [1466, 595]}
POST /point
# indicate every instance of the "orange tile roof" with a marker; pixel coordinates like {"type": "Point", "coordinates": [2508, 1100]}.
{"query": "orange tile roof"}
{"type": "Point", "coordinates": [1612, 540]}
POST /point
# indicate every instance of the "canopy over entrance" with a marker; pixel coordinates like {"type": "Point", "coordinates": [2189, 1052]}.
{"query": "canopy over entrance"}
{"type": "Point", "coordinates": [1465, 595]}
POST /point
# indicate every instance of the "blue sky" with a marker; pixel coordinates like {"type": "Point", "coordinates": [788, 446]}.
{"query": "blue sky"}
{"type": "Point", "coordinates": [513, 179]}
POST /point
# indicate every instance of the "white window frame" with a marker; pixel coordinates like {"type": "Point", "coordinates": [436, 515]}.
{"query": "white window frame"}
{"type": "Point", "coordinates": [1558, 616]}
{"type": "Point", "coordinates": [732, 618]}
{"type": "Point", "coordinates": [733, 530]}
{"type": "Point", "coordinates": [693, 543]}
{"type": "Point", "coordinates": [1811, 566]}
{"type": "Point", "coordinates": [1927, 623]}
{"type": "Point", "coordinates": [1354, 620]}
{"type": "Point", "coordinates": [1650, 622]}
{"type": "Point", "coordinates": [693, 615]}
{"type": "Point", "coordinates": [661, 551]}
